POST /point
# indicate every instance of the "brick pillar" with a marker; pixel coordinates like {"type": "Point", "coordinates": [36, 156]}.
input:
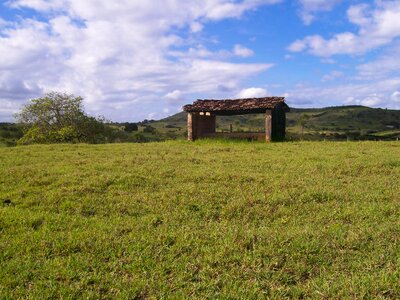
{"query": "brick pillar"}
{"type": "Point", "coordinates": [213, 123]}
{"type": "Point", "coordinates": [268, 125]}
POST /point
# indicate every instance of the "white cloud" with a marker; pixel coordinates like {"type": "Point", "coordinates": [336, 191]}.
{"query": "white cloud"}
{"type": "Point", "coordinates": [387, 64]}
{"type": "Point", "coordinates": [7, 110]}
{"type": "Point", "coordinates": [376, 94]}
{"type": "Point", "coordinates": [396, 97]}
{"type": "Point", "coordinates": [175, 95]}
{"type": "Point", "coordinates": [328, 61]}
{"type": "Point", "coordinates": [40, 5]}
{"type": "Point", "coordinates": [196, 27]}
{"type": "Point", "coordinates": [242, 51]}
{"type": "Point", "coordinates": [333, 75]}
{"type": "Point", "coordinates": [200, 51]}
{"type": "Point", "coordinates": [297, 46]}
{"type": "Point", "coordinates": [378, 26]}
{"type": "Point", "coordinates": [252, 93]}
{"type": "Point", "coordinates": [120, 62]}
{"type": "Point", "coordinates": [356, 14]}
{"type": "Point", "coordinates": [370, 100]}
{"type": "Point", "coordinates": [152, 115]}
{"type": "Point", "coordinates": [311, 7]}
{"type": "Point", "coordinates": [3, 22]}
{"type": "Point", "coordinates": [225, 9]}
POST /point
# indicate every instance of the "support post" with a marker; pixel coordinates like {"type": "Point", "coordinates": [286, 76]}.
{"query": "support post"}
{"type": "Point", "coordinates": [268, 125]}
{"type": "Point", "coordinates": [190, 125]}
{"type": "Point", "coordinates": [212, 123]}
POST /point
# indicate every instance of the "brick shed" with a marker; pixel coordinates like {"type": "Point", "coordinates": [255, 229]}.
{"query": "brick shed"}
{"type": "Point", "coordinates": [202, 116]}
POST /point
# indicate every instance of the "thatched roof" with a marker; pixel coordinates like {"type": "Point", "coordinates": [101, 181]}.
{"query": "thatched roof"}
{"type": "Point", "coordinates": [237, 106]}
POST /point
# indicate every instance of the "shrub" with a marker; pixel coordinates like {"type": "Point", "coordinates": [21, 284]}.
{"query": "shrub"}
{"type": "Point", "coordinates": [60, 118]}
{"type": "Point", "coordinates": [149, 129]}
{"type": "Point", "coordinates": [129, 127]}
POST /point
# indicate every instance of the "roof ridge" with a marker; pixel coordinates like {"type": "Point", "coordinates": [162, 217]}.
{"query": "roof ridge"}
{"type": "Point", "coordinates": [247, 105]}
{"type": "Point", "coordinates": [244, 99]}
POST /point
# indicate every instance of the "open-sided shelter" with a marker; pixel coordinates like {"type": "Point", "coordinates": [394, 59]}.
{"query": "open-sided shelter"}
{"type": "Point", "coordinates": [202, 116]}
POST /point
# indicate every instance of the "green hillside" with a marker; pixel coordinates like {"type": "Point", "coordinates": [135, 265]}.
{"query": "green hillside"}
{"type": "Point", "coordinates": [332, 123]}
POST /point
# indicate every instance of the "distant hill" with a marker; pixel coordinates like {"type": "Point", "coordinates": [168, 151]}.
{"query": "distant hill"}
{"type": "Point", "coordinates": [340, 122]}
{"type": "Point", "coordinates": [330, 123]}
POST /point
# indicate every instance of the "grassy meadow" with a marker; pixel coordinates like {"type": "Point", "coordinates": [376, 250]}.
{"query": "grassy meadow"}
{"type": "Point", "coordinates": [210, 219]}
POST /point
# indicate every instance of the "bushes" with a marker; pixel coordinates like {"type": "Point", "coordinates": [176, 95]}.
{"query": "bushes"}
{"type": "Point", "coordinates": [149, 129]}
{"type": "Point", "coordinates": [129, 127]}
{"type": "Point", "coordinates": [60, 118]}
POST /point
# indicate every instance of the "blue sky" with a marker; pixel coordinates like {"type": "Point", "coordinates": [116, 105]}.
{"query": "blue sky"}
{"type": "Point", "coordinates": [136, 59]}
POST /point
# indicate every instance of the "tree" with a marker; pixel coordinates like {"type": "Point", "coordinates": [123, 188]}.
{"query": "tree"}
{"type": "Point", "coordinates": [303, 121]}
{"type": "Point", "coordinates": [129, 127]}
{"type": "Point", "coordinates": [149, 129]}
{"type": "Point", "coordinates": [60, 118]}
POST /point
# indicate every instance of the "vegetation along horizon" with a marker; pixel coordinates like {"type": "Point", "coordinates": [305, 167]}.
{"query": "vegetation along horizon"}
{"type": "Point", "coordinates": [331, 123]}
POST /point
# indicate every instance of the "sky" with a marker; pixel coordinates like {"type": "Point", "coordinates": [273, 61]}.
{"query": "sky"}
{"type": "Point", "coordinates": [143, 59]}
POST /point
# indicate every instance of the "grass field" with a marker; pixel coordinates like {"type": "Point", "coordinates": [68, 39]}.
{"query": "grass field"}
{"type": "Point", "coordinates": [224, 220]}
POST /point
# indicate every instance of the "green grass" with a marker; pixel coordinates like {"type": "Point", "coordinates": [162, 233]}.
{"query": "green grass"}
{"type": "Point", "coordinates": [226, 220]}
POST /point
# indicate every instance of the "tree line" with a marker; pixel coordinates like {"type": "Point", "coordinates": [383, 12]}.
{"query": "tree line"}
{"type": "Point", "coordinates": [60, 118]}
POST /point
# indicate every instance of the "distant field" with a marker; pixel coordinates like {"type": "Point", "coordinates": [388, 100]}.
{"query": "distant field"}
{"type": "Point", "coordinates": [210, 219]}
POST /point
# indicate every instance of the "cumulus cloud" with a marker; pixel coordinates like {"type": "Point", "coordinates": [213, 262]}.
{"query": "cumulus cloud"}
{"type": "Point", "coordinates": [375, 94]}
{"type": "Point", "coordinates": [396, 97]}
{"type": "Point", "coordinates": [378, 25]}
{"type": "Point", "coordinates": [232, 9]}
{"type": "Point", "coordinates": [242, 51]}
{"type": "Point", "coordinates": [3, 22]}
{"type": "Point", "coordinates": [175, 95]}
{"type": "Point", "coordinates": [7, 110]}
{"type": "Point", "coordinates": [120, 62]}
{"type": "Point", "coordinates": [252, 93]}
{"type": "Point", "coordinates": [385, 65]}
{"type": "Point", "coordinates": [200, 51]}
{"type": "Point", "coordinates": [333, 75]}
{"type": "Point", "coordinates": [311, 7]}
{"type": "Point", "coordinates": [369, 100]}
{"type": "Point", "coordinates": [196, 27]}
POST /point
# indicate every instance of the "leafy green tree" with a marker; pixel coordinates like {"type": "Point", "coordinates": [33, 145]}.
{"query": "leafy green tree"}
{"type": "Point", "coordinates": [60, 118]}
{"type": "Point", "coordinates": [303, 122]}
{"type": "Point", "coordinates": [149, 129]}
{"type": "Point", "coordinates": [129, 127]}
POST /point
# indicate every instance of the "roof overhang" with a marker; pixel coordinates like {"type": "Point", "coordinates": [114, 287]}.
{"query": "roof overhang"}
{"type": "Point", "coordinates": [238, 106]}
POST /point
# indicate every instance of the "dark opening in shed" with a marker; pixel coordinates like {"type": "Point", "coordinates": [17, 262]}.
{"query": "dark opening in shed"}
{"type": "Point", "coordinates": [202, 117]}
